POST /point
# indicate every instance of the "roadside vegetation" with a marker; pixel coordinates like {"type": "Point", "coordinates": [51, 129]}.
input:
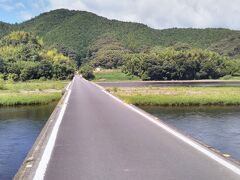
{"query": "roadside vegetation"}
{"type": "Point", "coordinates": [113, 75]}
{"type": "Point", "coordinates": [30, 92]}
{"type": "Point", "coordinates": [178, 96]}
{"type": "Point", "coordinates": [229, 77]}
{"type": "Point", "coordinates": [23, 57]}
{"type": "Point", "coordinates": [30, 72]}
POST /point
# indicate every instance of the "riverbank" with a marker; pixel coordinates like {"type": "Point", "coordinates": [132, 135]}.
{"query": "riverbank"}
{"type": "Point", "coordinates": [178, 96]}
{"type": "Point", "coordinates": [30, 92]}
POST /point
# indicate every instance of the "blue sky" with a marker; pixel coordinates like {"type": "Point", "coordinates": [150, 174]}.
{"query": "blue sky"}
{"type": "Point", "coordinates": [155, 13]}
{"type": "Point", "coordinates": [13, 11]}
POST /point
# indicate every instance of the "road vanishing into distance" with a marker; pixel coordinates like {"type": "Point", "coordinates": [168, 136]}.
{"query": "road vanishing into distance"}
{"type": "Point", "coordinates": [101, 138]}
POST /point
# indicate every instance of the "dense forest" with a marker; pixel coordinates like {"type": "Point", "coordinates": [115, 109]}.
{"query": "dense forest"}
{"type": "Point", "coordinates": [177, 62]}
{"type": "Point", "coordinates": [93, 41]}
{"type": "Point", "coordinates": [24, 57]}
{"type": "Point", "coordinates": [79, 30]}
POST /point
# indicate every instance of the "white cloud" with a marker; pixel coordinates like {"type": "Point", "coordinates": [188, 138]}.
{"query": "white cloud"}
{"type": "Point", "coordinates": [39, 4]}
{"type": "Point", "coordinates": [67, 4]}
{"type": "Point", "coordinates": [9, 5]}
{"type": "Point", "coordinates": [25, 15]}
{"type": "Point", "coordinates": [5, 7]}
{"type": "Point", "coordinates": [162, 13]}
{"type": "Point", "coordinates": [20, 5]}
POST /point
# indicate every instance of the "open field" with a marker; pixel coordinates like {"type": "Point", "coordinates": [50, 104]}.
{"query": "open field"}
{"type": "Point", "coordinates": [31, 92]}
{"type": "Point", "coordinates": [113, 75]}
{"type": "Point", "coordinates": [178, 96]}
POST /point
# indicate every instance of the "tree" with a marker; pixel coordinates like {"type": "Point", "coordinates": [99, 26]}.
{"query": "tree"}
{"type": "Point", "coordinates": [63, 70]}
{"type": "Point", "coordinates": [45, 69]}
{"type": "Point", "coordinates": [1, 66]}
{"type": "Point", "coordinates": [171, 64]}
{"type": "Point", "coordinates": [23, 57]}
{"type": "Point", "coordinates": [87, 72]}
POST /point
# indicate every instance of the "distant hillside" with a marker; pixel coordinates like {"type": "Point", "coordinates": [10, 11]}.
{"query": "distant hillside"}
{"type": "Point", "coordinates": [79, 30]}
{"type": "Point", "coordinates": [4, 28]}
{"type": "Point", "coordinates": [228, 46]}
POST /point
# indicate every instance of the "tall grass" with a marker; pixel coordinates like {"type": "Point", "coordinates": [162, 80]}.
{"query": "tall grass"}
{"type": "Point", "coordinates": [13, 99]}
{"type": "Point", "coordinates": [30, 92]}
{"type": "Point", "coordinates": [35, 85]}
{"type": "Point", "coordinates": [180, 96]}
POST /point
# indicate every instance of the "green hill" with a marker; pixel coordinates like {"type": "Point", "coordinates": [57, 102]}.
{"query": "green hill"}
{"type": "Point", "coordinates": [78, 31]}
{"type": "Point", "coordinates": [4, 28]}
{"type": "Point", "coordinates": [228, 46]}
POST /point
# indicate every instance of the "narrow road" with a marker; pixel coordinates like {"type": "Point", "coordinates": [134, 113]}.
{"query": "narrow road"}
{"type": "Point", "coordinates": [100, 138]}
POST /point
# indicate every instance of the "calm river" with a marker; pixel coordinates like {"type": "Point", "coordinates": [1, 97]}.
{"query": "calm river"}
{"type": "Point", "coordinates": [19, 128]}
{"type": "Point", "coordinates": [218, 127]}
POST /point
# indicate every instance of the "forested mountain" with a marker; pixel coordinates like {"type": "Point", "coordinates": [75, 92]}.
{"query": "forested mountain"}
{"type": "Point", "coordinates": [4, 28]}
{"type": "Point", "coordinates": [96, 41]}
{"type": "Point", "coordinates": [77, 31]}
{"type": "Point", "coordinates": [228, 46]}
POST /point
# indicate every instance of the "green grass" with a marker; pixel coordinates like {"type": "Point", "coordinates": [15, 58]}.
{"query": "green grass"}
{"type": "Point", "coordinates": [228, 77]}
{"type": "Point", "coordinates": [35, 85]}
{"type": "Point", "coordinates": [13, 99]}
{"type": "Point", "coordinates": [31, 92]}
{"type": "Point", "coordinates": [113, 75]}
{"type": "Point", "coordinates": [179, 96]}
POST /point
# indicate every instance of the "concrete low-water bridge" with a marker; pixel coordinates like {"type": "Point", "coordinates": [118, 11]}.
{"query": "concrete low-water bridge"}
{"type": "Point", "coordinates": [93, 135]}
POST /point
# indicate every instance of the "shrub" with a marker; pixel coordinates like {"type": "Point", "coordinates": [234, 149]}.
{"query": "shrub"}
{"type": "Point", "coordinates": [87, 72]}
{"type": "Point", "coordinates": [12, 77]}
{"type": "Point", "coordinates": [2, 84]}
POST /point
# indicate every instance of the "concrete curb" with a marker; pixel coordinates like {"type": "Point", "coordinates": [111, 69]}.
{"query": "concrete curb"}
{"type": "Point", "coordinates": [31, 162]}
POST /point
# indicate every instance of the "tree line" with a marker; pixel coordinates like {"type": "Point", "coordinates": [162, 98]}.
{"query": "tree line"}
{"type": "Point", "coordinates": [24, 57]}
{"type": "Point", "coordinates": [177, 62]}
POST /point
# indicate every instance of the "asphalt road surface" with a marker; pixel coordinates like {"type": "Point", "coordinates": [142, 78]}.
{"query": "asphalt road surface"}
{"type": "Point", "coordinates": [102, 139]}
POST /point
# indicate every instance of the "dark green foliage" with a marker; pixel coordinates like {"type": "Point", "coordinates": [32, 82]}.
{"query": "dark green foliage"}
{"type": "Point", "coordinates": [87, 72]}
{"type": "Point", "coordinates": [78, 31]}
{"type": "Point", "coordinates": [45, 69]}
{"type": "Point", "coordinates": [23, 57]}
{"type": "Point", "coordinates": [63, 70]}
{"type": "Point", "coordinates": [2, 65]}
{"type": "Point", "coordinates": [87, 38]}
{"type": "Point", "coordinates": [107, 53]}
{"type": "Point", "coordinates": [5, 28]}
{"type": "Point", "coordinates": [228, 46]}
{"type": "Point", "coordinates": [169, 64]}
{"type": "Point", "coordinates": [71, 54]}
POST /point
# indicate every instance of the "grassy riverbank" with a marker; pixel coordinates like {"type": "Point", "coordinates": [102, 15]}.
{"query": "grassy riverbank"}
{"type": "Point", "coordinates": [111, 75]}
{"type": "Point", "coordinates": [31, 92]}
{"type": "Point", "coordinates": [178, 96]}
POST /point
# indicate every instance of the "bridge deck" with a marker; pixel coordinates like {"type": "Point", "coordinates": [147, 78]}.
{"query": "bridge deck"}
{"type": "Point", "coordinates": [100, 138]}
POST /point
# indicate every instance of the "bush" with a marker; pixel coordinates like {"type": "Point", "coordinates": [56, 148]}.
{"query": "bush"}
{"type": "Point", "coordinates": [169, 64]}
{"type": "Point", "coordinates": [87, 72]}
{"type": "Point", "coordinates": [2, 76]}
{"type": "Point", "coordinates": [63, 70]}
{"type": "Point", "coordinates": [2, 84]}
{"type": "Point", "coordinates": [12, 77]}
{"type": "Point", "coordinates": [23, 57]}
